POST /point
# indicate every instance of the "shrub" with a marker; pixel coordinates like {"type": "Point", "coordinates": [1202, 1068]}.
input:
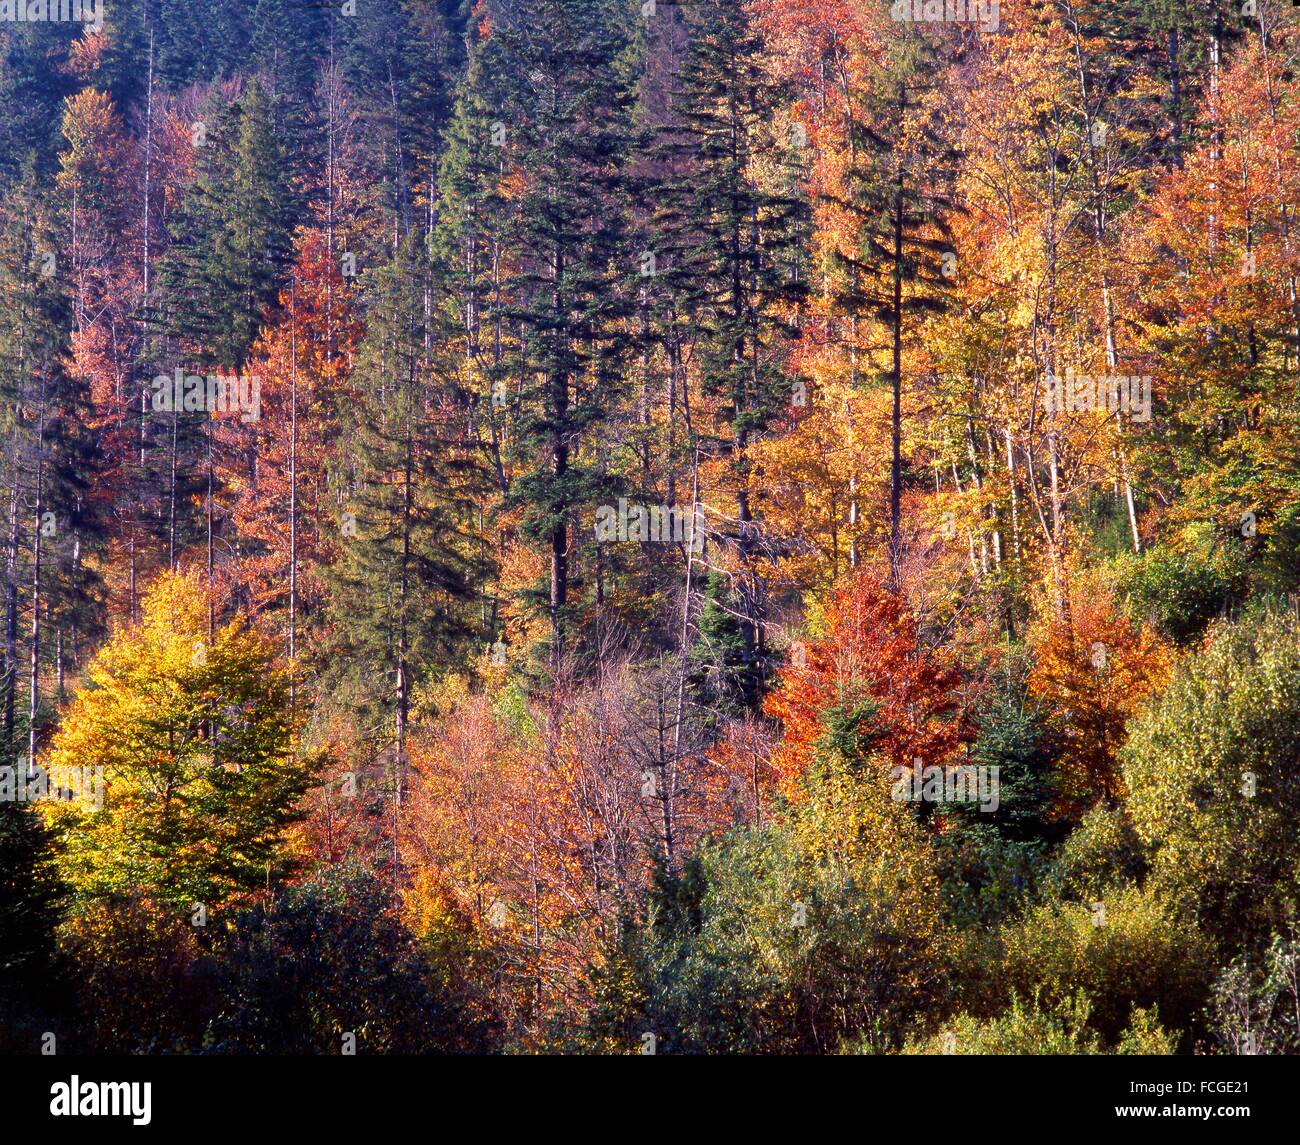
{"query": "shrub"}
{"type": "Point", "coordinates": [335, 958]}
{"type": "Point", "coordinates": [1212, 769]}
{"type": "Point", "coordinates": [1103, 851]}
{"type": "Point", "coordinates": [139, 979]}
{"type": "Point", "coordinates": [1178, 593]}
{"type": "Point", "coordinates": [1137, 950]}
{"type": "Point", "coordinates": [1145, 1035]}
{"type": "Point", "coordinates": [1024, 1028]}
{"type": "Point", "coordinates": [792, 937]}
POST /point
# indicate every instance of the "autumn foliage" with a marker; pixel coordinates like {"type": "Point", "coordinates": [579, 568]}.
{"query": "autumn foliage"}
{"type": "Point", "coordinates": [873, 670]}
{"type": "Point", "coordinates": [790, 290]}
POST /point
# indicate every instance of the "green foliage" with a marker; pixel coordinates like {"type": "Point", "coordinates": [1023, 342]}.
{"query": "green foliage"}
{"type": "Point", "coordinates": [33, 86]}
{"type": "Point", "coordinates": [1031, 1028]}
{"type": "Point", "coordinates": [852, 731]}
{"type": "Point", "coordinates": [1212, 769]}
{"type": "Point", "coordinates": [1102, 852]}
{"type": "Point", "coordinates": [333, 958]}
{"type": "Point", "coordinates": [410, 560]}
{"type": "Point", "coordinates": [283, 40]}
{"type": "Point", "coordinates": [798, 935]}
{"type": "Point", "coordinates": [1130, 948]}
{"type": "Point", "coordinates": [615, 1022]}
{"type": "Point", "coordinates": [1024, 1028]}
{"type": "Point", "coordinates": [1146, 1036]}
{"type": "Point", "coordinates": [1176, 592]}
{"type": "Point", "coordinates": [398, 63]}
{"type": "Point", "coordinates": [231, 237]}
{"type": "Point", "coordinates": [193, 44]}
{"type": "Point", "coordinates": [993, 861]}
{"type": "Point", "coordinates": [1014, 736]}
{"type": "Point", "coordinates": [327, 958]}
{"type": "Point", "coordinates": [721, 677]}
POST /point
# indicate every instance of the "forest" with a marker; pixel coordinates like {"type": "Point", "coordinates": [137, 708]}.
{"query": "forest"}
{"type": "Point", "coordinates": [644, 527]}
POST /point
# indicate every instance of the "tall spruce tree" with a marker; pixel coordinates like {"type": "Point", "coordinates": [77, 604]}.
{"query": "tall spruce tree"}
{"type": "Point", "coordinates": [897, 193]}
{"type": "Point", "coordinates": [231, 237]}
{"type": "Point", "coordinates": [727, 232]}
{"type": "Point", "coordinates": [49, 462]}
{"type": "Point", "coordinates": [409, 565]}
{"type": "Point", "coordinates": [564, 123]}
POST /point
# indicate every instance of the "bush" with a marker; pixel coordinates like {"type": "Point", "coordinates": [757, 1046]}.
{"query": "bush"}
{"type": "Point", "coordinates": [1138, 951]}
{"type": "Point", "coordinates": [1032, 1029]}
{"type": "Point", "coordinates": [1178, 593]}
{"type": "Point", "coordinates": [1212, 770]}
{"type": "Point", "coordinates": [139, 979]}
{"type": "Point", "coordinates": [793, 937]}
{"type": "Point", "coordinates": [334, 958]}
{"type": "Point", "coordinates": [1022, 1029]}
{"type": "Point", "coordinates": [1146, 1036]}
{"type": "Point", "coordinates": [1103, 851]}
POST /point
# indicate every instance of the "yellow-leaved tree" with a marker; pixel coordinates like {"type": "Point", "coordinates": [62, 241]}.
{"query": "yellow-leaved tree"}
{"type": "Point", "coordinates": [192, 739]}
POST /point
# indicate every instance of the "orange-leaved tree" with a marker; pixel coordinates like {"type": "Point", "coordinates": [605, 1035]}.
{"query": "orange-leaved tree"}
{"type": "Point", "coordinates": [1094, 671]}
{"type": "Point", "coordinates": [873, 677]}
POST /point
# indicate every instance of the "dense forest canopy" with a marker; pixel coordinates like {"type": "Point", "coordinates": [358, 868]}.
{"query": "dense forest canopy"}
{"type": "Point", "coordinates": [763, 526]}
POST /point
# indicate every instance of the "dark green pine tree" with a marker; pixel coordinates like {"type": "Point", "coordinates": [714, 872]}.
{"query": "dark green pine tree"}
{"type": "Point", "coordinates": [231, 237]}
{"type": "Point", "coordinates": [466, 244]}
{"type": "Point", "coordinates": [564, 123]}
{"type": "Point", "coordinates": [1016, 738]}
{"type": "Point", "coordinates": [181, 43]}
{"type": "Point", "coordinates": [75, 529]}
{"type": "Point", "coordinates": [30, 329]}
{"type": "Point", "coordinates": [218, 284]}
{"type": "Point", "coordinates": [399, 61]}
{"type": "Point", "coordinates": [34, 81]}
{"type": "Point", "coordinates": [992, 860]}
{"type": "Point", "coordinates": [49, 459]}
{"type": "Point", "coordinates": [123, 67]}
{"type": "Point", "coordinates": [616, 1020]}
{"type": "Point", "coordinates": [409, 565]}
{"type": "Point", "coordinates": [50, 587]}
{"type": "Point", "coordinates": [473, 221]}
{"type": "Point", "coordinates": [898, 193]}
{"type": "Point", "coordinates": [289, 45]}
{"type": "Point", "coordinates": [286, 42]}
{"type": "Point", "coordinates": [1169, 44]}
{"type": "Point", "coordinates": [727, 239]}
{"type": "Point", "coordinates": [719, 678]}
